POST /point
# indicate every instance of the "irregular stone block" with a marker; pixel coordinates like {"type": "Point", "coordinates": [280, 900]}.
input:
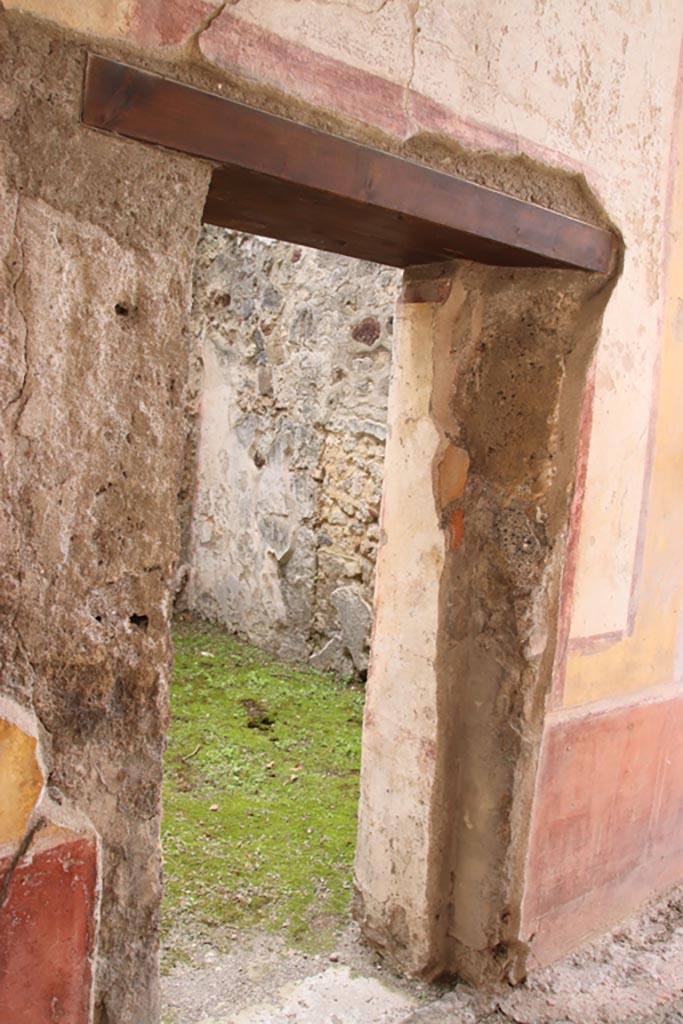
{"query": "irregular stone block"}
{"type": "Point", "coordinates": [355, 620]}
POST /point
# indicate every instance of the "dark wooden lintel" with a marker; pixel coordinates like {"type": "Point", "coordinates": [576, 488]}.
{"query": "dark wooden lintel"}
{"type": "Point", "coordinates": [284, 180]}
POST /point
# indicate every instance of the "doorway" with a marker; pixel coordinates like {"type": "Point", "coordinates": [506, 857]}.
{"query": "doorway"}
{"type": "Point", "coordinates": [280, 505]}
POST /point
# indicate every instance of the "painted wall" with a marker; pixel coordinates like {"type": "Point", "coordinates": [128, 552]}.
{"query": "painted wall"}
{"type": "Point", "coordinates": [95, 292]}
{"type": "Point", "coordinates": [586, 89]}
{"type": "Point", "coordinates": [608, 816]}
{"type": "Point", "coordinates": [487, 379]}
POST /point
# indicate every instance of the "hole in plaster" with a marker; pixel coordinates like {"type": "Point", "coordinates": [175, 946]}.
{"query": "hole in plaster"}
{"type": "Point", "coordinates": [121, 310]}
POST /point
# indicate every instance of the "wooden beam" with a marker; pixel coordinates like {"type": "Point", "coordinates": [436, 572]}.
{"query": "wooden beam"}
{"type": "Point", "coordinates": [284, 180]}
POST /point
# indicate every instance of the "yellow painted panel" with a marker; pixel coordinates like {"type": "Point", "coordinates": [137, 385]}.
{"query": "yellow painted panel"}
{"type": "Point", "coordinates": [653, 654]}
{"type": "Point", "coordinates": [21, 781]}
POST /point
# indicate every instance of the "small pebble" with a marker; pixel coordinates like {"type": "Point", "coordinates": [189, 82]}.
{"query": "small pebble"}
{"type": "Point", "coordinates": [334, 957]}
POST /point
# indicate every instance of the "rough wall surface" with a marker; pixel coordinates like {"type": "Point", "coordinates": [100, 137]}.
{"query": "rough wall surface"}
{"type": "Point", "coordinates": [589, 89]}
{"type": "Point", "coordinates": [589, 92]}
{"type": "Point", "coordinates": [475, 520]}
{"type": "Point", "coordinates": [94, 308]}
{"type": "Point", "coordinates": [608, 815]}
{"type": "Point", "coordinates": [293, 350]}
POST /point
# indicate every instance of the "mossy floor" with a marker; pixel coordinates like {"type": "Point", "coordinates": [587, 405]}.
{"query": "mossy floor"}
{"type": "Point", "coordinates": [260, 795]}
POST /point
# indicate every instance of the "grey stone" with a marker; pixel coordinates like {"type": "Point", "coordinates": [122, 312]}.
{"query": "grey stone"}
{"type": "Point", "coordinates": [332, 657]}
{"type": "Point", "coordinates": [376, 430]}
{"type": "Point", "coordinates": [355, 619]}
{"type": "Point", "coordinates": [272, 299]}
{"type": "Point", "coordinates": [276, 532]}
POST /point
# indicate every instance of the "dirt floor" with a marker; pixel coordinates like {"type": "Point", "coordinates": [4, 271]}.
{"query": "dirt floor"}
{"type": "Point", "coordinates": [632, 976]}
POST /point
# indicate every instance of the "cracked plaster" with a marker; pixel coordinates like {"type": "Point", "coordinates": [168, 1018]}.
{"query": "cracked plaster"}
{"type": "Point", "coordinates": [594, 138]}
{"type": "Point", "coordinates": [96, 348]}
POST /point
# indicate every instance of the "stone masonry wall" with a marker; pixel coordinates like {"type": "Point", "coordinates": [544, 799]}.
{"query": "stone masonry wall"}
{"type": "Point", "coordinates": [292, 370]}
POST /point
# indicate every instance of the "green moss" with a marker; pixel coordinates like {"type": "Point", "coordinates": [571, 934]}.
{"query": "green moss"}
{"type": "Point", "coordinates": [260, 794]}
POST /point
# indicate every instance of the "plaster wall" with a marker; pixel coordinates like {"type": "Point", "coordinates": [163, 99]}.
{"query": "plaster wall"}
{"type": "Point", "coordinates": [588, 89]}
{"type": "Point", "coordinates": [454, 715]}
{"type": "Point", "coordinates": [608, 816]}
{"type": "Point", "coordinates": [95, 297]}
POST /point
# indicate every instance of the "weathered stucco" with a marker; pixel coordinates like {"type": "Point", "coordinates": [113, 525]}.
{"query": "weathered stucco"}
{"type": "Point", "coordinates": [95, 305]}
{"type": "Point", "coordinates": [21, 781]}
{"type": "Point", "coordinates": [608, 813]}
{"type": "Point", "coordinates": [284, 462]}
{"type": "Point", "coordinates": [97, 237]}
{"type": "Point", "coordinates": [586, 89]}
{"type": "Point", "coordinates": [466, 608]}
